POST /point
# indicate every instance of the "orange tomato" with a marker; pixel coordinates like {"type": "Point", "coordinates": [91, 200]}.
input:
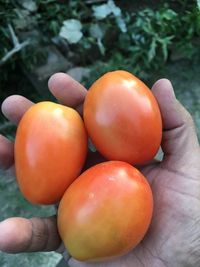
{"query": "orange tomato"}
{"type": "Point", "coordinates": [105, 212]}
{"type": "Point", "coordinates": [122, 118]}
{"type": "Point", "coordinates": [50, 150]}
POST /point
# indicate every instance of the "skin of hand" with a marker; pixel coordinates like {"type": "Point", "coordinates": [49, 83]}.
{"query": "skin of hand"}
{"type": "Point", "coordinates": [173, 239]}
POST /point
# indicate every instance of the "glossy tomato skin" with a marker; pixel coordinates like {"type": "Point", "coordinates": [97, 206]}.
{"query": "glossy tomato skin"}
{"type": "Point", "coordinates": [50, 150]}
{"type": "Point", "coordinates": [122, 118]}
{"type": "Point", "coordinates": [105, 212]}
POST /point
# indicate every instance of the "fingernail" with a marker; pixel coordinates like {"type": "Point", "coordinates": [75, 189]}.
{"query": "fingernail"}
{"type": "Point", "coordinates": [164, 87]}
{"type": "Point", "coordinates": [169, 86]}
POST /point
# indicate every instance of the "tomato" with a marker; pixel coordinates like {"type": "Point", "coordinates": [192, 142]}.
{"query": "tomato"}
{"type": "Point", "coordinates": [122, 118]}
{"type": "Point", "coordinates": [105, 212]}
{"type": "Point", "coordinates": [50, 150]}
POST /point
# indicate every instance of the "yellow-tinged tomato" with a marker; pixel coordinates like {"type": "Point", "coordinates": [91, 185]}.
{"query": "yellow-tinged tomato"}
{"type": "Point", "coordinates": [50, 150]}
{"type": "Point", "coordinates": [122, 118]}
{"type": "Point", "coordinates": [105, 212]}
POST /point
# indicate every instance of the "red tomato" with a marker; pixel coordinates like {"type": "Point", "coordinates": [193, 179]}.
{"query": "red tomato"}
{"type": "Point", "coordinates": [105, 212]}
{"type": "Point", "coordinates": [50, 150]}
{"type": "Point", "coordinates": [122, 118]}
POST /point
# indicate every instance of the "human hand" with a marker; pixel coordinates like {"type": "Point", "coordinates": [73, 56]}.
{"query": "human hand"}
{"type": "Point", "coordinates": [173, 238]}
{"type": "Point", "coordinates": [36, 234]}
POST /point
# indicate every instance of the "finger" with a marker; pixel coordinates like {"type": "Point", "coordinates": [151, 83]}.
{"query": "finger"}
{"type": "Point", "coordinates": [6, 153]}
{"type": "Point", "coordinates": [29, 235]}
{"type": "Point", "coordinates": [179, 135]}
{"type": "Point", "coordinates": [68, 91]}
{"type": "Point", "coordinates": [14, 107]}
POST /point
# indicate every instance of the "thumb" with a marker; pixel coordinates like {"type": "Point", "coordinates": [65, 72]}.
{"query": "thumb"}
{"type": "Point", "coordinates": [179, 135]}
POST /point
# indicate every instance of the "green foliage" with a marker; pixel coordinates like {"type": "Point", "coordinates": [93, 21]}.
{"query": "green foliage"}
{"type": "Point", "coordinates": [103, 36]}
{"type": "Point", "coordinates": [152, 35]}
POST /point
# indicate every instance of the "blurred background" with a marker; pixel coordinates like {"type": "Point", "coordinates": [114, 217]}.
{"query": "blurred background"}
{"type": "Point", "coordinates": [151, 39]}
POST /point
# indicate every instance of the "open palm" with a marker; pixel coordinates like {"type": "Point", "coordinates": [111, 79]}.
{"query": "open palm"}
{"type": "Point", "coordinates": [173, 239]}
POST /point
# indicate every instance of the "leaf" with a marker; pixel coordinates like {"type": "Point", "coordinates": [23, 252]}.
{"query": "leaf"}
{"type": "Point", "coordinates": [152, 50]}
{"type": "Point", "coordinates": [96, 31]}
{"type": "Point", "coordinates": [121, 24]}
{"type": "Point", "coordinates": [71, 31]}
{"type": "Point", "coordinates": [30, 5]}
{"type": "Point", "coordinates": [73, 24]}
{"type": "Point", "coordinates": [198, 4]}
{"type": "Point", "coordinates": [102, 11]}
{"type": "Point", "coordinates": [164, 45]}
{"type": "Point", "coordinates": [72, 37]}
{"type": "Point", "coordinates": [169, 14]}
{"type": "Point", "coordinates": [101, 46]}
{"type": "Point", "coordinates": [136, 37]}
{"type": "Point", "coordinates": [114, 9]}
